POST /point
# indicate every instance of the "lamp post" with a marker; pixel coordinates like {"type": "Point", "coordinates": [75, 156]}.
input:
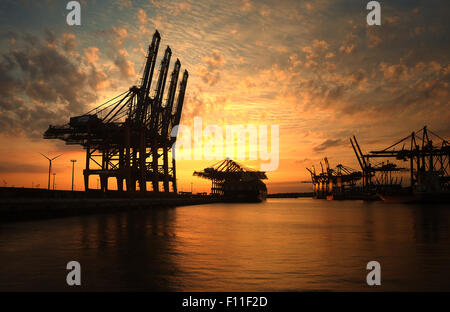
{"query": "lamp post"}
{"type": "Point", "coordinates": [73, 169]}
{"type": "Point", "coordinates": [49, 167]}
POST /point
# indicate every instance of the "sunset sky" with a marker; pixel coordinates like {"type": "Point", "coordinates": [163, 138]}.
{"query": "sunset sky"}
{"type": "Point", "coordinates": [315, 68]}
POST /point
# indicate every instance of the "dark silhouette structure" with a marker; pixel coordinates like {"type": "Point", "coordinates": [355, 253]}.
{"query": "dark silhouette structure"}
{"type": "Point", "coordinates": [334, 183]}
{"type": "Point", "coordinates": [428, 156]}
{"type": "Point", "coordinates": [235, 182]}
{"type": "Point", "coordinates": [130, 137]}
{"type": "Point", "coordinates": [376, 176]}
{"type": "Point", "coordinates": [73, 170]}
{"type": "Point", "coordinates": [49, 168]}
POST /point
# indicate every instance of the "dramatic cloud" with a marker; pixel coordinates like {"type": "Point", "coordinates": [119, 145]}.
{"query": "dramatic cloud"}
{"type": "Point", "coordinates": [327, 144]}
{"type": "Point", "coordinates": [124, 65]}
{"type": "Point", "coordinates": [210, 73]}
{"type": "Point", "coordinates": [119, 34]}
{"type": "Point", "coordinates": [92, 55]}
{"type": "Point", "coordinates": [315, 68]}
{"type": "Point", "coordinates": [68, 42]}
{"type": "Point", "coordinates": [40, 84]}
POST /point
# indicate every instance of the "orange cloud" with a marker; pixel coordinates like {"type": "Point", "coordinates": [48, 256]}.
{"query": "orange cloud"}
{"type": "Point", "coordinates": [92, 54]}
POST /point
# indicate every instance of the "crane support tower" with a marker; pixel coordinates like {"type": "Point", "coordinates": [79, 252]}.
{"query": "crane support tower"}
{"type": "Point", "coordinates": [334, 183]}
{"type": "Point", "coordinates": [428, 157]}
{"type": "Point", "coordinates": [130, 137]}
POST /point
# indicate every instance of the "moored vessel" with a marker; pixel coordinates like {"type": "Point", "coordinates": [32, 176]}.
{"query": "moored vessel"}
{"type": "Point", "coordinates": [235, 183]}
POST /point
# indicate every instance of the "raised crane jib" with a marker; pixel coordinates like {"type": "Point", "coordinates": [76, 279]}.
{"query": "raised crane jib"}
{"type": "Point", "coordinates": [157, 100]}
{"type": "Point", "coordinates": [144, 90]}
{"type": "Point", "coordinates": [150, 64]}
{"type": "Point", "coordinates": [167, 112]}
{"type": "Point", "coordinates": [176, 117]}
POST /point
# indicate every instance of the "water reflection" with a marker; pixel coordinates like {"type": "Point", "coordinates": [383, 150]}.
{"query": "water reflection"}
{"type": "Point", "coordinates": [126, 251]}
{"type": "Point", "coordinates": [281, 245]}
{"type": "Point", "coordinates": [431, 224]}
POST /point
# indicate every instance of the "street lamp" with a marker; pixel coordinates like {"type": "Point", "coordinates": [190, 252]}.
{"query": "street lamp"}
{"type": "Point", "coordinates": [49, 167]}
{"type": "Point", "coordinates": [73, 168]}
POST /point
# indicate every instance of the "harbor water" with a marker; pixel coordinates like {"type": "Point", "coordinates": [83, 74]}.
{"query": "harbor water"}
{"type": "Point", "coordinates": [279, 245]}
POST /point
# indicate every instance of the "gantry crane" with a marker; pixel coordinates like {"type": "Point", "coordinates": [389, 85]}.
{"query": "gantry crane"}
{"type": "Point", "coordinates": [131, 136]}
{"type": "Point", "coordinates": [429, 167]}
{"type": "Point", "coordinates": [334, 183]}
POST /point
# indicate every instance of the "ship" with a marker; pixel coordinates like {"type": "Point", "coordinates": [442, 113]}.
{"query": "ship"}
{"type": "Point", "coordinates": [235, 183]}
{"type": "Point", "coordinates": [244, 191]}
{"type": "Point", "coordinates": [429, 188]}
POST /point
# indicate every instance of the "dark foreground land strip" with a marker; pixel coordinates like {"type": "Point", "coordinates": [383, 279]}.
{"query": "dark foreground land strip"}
{"type": "Point", "coordinates": [12, 209]}
{"type": "Point", "coordinates": [290, 195]}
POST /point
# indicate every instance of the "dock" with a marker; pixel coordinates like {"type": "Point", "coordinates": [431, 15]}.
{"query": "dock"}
{"type": "Point", "coordinates": [20, 204]}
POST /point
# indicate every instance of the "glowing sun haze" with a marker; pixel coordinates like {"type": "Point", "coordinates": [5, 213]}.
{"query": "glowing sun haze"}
{"type": "Point", "coordinates": [315, 68]}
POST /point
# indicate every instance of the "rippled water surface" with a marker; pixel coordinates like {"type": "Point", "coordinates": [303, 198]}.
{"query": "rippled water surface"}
{"type": "Point", "coordinates": [280, 245]}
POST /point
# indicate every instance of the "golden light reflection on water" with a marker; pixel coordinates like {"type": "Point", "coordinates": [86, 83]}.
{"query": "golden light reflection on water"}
{"type": "Point", "coordinates": [280, 245]}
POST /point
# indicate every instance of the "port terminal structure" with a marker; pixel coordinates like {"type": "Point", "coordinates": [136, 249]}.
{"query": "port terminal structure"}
{"type": "Point", "coordinates": [423, 156]}
{"type": "Point", "coordinates": [334, 183]}
{"type": "Point", "coordinates": [426, 154]}
{"type": "Point", "coordinates": [130, 137]}
{"type": "Point", "coordinates": [232, 181]}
